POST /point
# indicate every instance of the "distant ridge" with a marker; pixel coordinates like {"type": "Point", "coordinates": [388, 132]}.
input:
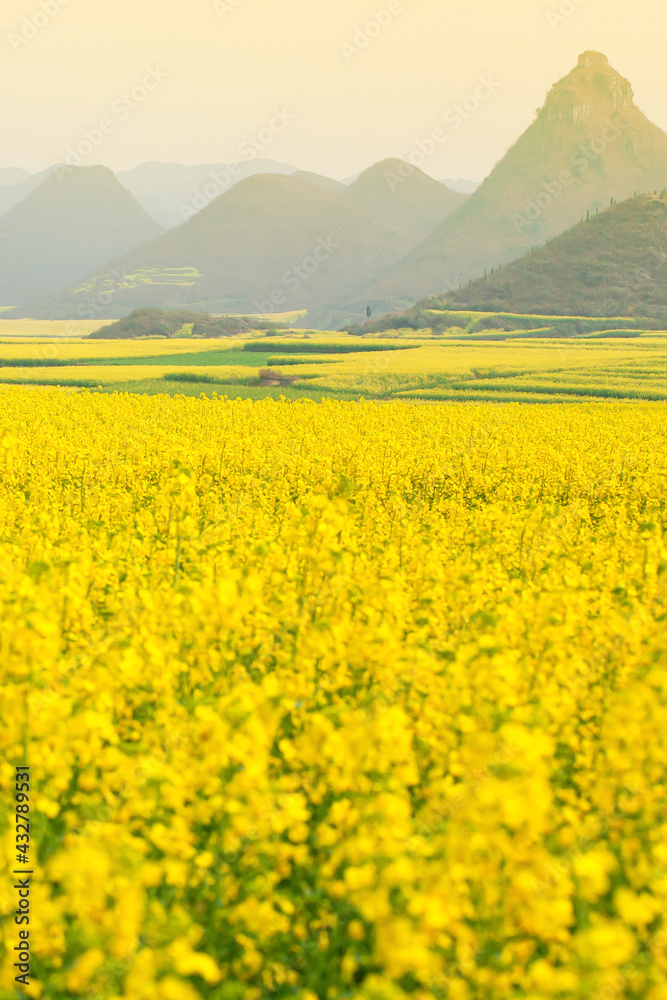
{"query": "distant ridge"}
{"type": "Point", "coordinates": [72, 222]}
{"type": "Point", "coordinates": [12, 175]}
{"type": "Point", "coordinates": [173, 192]}
{"type": "Point", "coordinates": [461, 185]}
{"type": "Point", "coordinates": [404, 195]}
{"type": "Point", "coordinates": [13, 193]}
{"type": "Point", "coordinates": [589, 143]}
{"type": "Point", "coordinates": [326, 182]}
{"type": "Point", "coordinates": [271, 244]}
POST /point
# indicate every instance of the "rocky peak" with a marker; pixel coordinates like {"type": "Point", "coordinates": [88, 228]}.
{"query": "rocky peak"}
{"type": "Point", "coordinates": [587, 60]}
{"type": "Point", "coordinates": [592, 89]}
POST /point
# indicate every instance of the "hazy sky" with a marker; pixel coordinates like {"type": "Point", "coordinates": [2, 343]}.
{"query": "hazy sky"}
{"type": "Point", "coordinates": [194, 81]}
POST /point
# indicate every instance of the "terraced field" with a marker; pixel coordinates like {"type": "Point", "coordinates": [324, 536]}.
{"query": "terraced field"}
{"type": "Point", "coordinates": [417, 366]}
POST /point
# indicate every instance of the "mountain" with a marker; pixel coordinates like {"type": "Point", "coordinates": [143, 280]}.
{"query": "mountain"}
{"type": "Point", "coordinates": [12, 175]}
{"type": "Point", "coordinates": [461, 185]}
{"type": "Point", "coordinates": [613, 264]}
{"type": "Point", "coordinates": [588, 144]}
{"type": "Point", "coordinates": [325, 182]}
{"type": "Point", "coordinates": [13, 194]}
{"type": "Point", "coordinates": [172, 192]}
{"type": "Point", "coordinates": [75, 220]}
{"type": "Point", "coordinates": [404, 195]}
{"type": "Point", "coordinates": [271, 244]}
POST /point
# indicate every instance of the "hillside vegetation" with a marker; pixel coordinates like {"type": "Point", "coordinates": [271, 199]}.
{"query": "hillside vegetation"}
{"type": "Point", "coordinates": [612, 264]}
{"type": "Point", "coordinates": [158, 323]}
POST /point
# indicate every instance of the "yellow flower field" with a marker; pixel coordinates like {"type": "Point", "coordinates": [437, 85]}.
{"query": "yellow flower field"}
{"type": "Point", "coordinates": [348, 700]}
{"type": "Point", "coordinates": [110, 374]}
{"type": "Point", "coordinates": [407, 365]}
